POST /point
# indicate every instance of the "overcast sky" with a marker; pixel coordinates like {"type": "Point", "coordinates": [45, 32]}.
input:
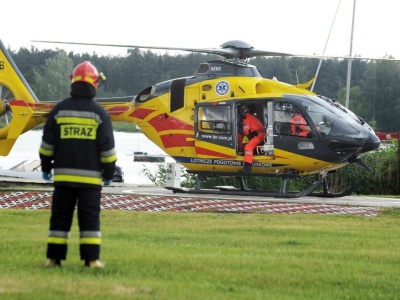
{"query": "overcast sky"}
{"type": "Point", "coordinates": [292, 26]}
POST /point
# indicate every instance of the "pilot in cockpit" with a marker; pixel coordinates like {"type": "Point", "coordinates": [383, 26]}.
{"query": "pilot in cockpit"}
{"type": "Point", "coordinates": [299, 126]}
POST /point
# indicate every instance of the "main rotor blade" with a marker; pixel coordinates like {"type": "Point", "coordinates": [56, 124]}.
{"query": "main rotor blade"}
{"type": "Point", "coordinates": [227, 50]}
{"type": "Point", "coordinates": [230, 49]}
{"type": "Point", "coordinates": [345, 57]}
{"type": "Point", "coordinates": [117, 45]}
{"type": "Point", "coordinates": [221, 51]}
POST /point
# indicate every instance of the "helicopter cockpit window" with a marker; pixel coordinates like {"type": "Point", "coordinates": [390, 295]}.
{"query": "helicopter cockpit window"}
{"type": "Point", "coordinates": [310, 120]}
{"type": "Point", "coordinates": [290, 121]}
{"type": "Point", "coordinates": [214, 119]}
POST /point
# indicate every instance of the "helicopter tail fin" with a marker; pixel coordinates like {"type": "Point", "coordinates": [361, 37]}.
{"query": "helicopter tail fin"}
{"type": "Point", "coordinates": [306, 84]}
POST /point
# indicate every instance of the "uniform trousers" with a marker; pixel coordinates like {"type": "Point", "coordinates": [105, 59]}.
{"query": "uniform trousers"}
{"type": "Point", "coordinates": [87, 202]}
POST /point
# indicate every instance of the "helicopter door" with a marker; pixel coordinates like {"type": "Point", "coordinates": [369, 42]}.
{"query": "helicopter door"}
{"type": "Point", "coordinates": [214, 131]}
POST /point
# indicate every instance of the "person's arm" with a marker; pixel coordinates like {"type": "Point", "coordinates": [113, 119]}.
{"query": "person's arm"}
{"type": "Point", "coordinates": [47, 146]}
{"type": "Point", "coordinates": [108, 156]}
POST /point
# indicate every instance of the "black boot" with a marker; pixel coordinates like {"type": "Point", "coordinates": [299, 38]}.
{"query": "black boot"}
{"type": "Point", "coordinates": [246, 169]}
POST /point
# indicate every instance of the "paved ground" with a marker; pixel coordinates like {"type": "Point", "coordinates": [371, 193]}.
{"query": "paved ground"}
{"type": "Point", "coordinates": [157, 199]}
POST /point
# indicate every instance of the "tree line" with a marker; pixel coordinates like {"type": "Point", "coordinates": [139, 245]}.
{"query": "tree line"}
{"type": "Point", "coordinates": [374, 93]}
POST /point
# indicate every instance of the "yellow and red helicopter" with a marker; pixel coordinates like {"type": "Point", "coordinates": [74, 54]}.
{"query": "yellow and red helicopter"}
{"type": "Point", "coordinates": [195, 119]}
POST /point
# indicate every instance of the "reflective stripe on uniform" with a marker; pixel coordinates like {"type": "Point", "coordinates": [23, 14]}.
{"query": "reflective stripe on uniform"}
{"type": "Point", "coordinates": [46, 149]}
{"type": "Point", "coordinates": [90, 241]}
{"type": "Point", "coordinates": [108, 152]}
{"type": "Point", "coordinates": [108, 156]}
{"type": "Point", "coordinates": [63, 116]}
{"type": "Point", "coordinates": [90, 237]}
{"type": "Point", "coordinates": [77, 120]}
{"type": "Point", "coordinates": [58, 237]}
{"type": "Point", "coordinates": [77, 175]}
{"type": "Point", "coordinates": [46, 152]}
{"type": "Point", "coordinates": [88, 233]}
{"type": "Point", "coordinates": [109, 159]}
{"type": "Point", "coordinates": [57, 240]}
{"type": "Point", "coordinates": [78, 172]}
{"type": "Point", "coordinates": [77, 179]}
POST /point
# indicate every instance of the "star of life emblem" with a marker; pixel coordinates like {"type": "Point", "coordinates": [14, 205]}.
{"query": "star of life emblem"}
{"type": "Point", "coordinates": [222, 88]}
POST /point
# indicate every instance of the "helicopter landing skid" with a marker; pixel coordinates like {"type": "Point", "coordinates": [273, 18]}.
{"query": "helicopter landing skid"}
{"type": "Point", "coordinates": [326, 194]}
{"type": "Point", "coordinates": [243, 191]}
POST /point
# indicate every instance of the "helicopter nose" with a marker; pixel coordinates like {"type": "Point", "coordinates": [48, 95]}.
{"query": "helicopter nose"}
{"type": "Point", "coordinates": [372, 143]}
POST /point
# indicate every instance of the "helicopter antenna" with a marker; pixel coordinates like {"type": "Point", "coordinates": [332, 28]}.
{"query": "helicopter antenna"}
{"type": "Point", "coordinates": [326, 44]}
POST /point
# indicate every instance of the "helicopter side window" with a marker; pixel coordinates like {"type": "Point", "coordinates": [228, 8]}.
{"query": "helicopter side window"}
{"type": "Point", "coordinates": [283, 113]}
{"type": "Point", "coordinates": [214, 119]}
{"type": "Point", "coordinates": [146, 94]}
{"type": "Point", "coordinates": [290, 121]}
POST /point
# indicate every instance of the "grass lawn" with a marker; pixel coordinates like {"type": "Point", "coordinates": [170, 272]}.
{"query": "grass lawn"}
{"type": "Point", "coordinates": [168, 255]}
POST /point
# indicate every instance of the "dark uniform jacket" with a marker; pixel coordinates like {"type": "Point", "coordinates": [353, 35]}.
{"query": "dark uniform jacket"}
{"type": "Point", "coordinates": [78, 141]}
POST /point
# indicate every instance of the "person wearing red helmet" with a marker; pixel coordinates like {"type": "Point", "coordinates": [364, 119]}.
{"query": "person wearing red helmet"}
{"type": "Point", "coordinates": [86, 72]}
{"type": "Point", "coordinates": [78, 145]}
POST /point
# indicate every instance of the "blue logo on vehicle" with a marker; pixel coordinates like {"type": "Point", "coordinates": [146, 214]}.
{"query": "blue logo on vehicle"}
{"type": "Point", "coordinates": [222, 88]}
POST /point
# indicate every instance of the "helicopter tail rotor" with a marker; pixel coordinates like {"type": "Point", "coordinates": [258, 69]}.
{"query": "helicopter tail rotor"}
{"type": "Point", "coordinates": [5, 110]}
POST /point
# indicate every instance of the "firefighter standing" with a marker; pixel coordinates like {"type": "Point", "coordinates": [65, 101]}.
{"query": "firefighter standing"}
{"type": "Point", "coordinates": [78, 143]}
{"type": "Point", "coordinates": [255, 131]}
